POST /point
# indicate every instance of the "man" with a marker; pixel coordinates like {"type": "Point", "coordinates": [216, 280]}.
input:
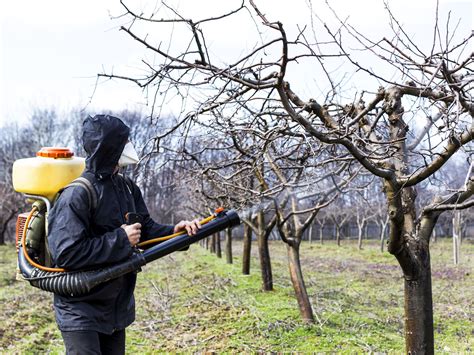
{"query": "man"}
{"type": "Point", "coordinates": [82, 238]}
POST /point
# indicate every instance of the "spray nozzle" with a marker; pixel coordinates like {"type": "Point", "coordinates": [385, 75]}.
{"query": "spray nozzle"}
{"type": "Point", "coordinates": [218, 211]}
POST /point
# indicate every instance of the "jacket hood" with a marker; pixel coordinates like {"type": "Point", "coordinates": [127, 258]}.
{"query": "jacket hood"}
{"type": "Point", "coordinates": [104, 138]}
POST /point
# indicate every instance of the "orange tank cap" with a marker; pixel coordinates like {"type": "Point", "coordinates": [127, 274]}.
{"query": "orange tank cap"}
{"type": "Point", "coordinates": [54, 152]}
{"type": "Point", "coordinates": [219, 210]}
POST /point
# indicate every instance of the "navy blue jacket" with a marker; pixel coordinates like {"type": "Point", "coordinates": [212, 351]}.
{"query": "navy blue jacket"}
{"type": "Point", "coordinates": [83, 239]}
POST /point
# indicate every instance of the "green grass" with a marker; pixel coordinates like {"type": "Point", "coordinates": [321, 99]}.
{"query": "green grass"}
{"type": "Point", "coordinates": [192, 301]}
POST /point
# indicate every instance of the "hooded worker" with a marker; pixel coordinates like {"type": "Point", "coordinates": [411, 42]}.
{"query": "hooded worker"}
{"type": "Point", "coordinates": [82, 237]}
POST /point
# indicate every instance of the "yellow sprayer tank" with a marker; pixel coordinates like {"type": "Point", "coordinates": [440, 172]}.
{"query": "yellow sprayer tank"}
{"type": "Point", "coordinates": [47, 173]}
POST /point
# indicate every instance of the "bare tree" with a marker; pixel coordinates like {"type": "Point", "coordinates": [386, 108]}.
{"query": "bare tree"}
{"type": "Point", "coordinates": [362, 201]}
{"type": "Point", "coordinates": [321, 220]}
{"type": "Point", "coordinates": [339, 215]}
{"type": "Point", "coordinates": [294, 167]}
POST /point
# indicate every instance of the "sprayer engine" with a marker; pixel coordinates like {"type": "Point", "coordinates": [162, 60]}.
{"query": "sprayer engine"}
{"type": "Point", "coordinates": [35, 233]}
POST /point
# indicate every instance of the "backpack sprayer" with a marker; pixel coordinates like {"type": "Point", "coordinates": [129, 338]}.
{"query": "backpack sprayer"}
{"type": "Point", "coordinates": [40, 179]}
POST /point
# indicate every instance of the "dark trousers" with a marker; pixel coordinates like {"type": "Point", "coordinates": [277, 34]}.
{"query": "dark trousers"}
{"type": "Point", "coordinates": [87, 342]}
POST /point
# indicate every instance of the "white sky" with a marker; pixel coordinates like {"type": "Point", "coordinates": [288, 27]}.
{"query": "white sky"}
{"type": "Point", "coordinates": [51, 50]}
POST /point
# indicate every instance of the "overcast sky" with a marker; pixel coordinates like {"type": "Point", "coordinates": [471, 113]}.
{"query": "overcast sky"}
{"type": "Point", "coordinates": [51, 50]}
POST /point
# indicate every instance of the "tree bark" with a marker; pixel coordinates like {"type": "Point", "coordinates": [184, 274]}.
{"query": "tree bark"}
{"type": "Point", "coordinates": [359, 238]}
{"type": "Point", "coordinates": [265, 264]}
{"type": "Point", "coordinates": [228, 245]}
{"type": "Point", "coordinates": [297, 280]}
{"type": "Point", "coordinates": [218, 245]}
{"type": "Point", "coordinates": [213, 243]}
{"type": "Point", "coordinates": [419, 307]}
{"type": "Point", "coordinates": [410, 246]}
{"type": "Point", "coordinates": [246, 250]}
{"type": "Point", "coordinates": [264, 254]}
{"type": "Point", "coordinates": [321, 238]}
{"type": "Point", "coordinates": [414, 259]}
{"type": "Point", "coordinates": [310, 234]}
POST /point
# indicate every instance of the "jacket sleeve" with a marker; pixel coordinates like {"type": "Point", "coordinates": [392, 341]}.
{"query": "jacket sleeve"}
{"type": "Point", "coordinates": [150, 229]}
{"type": "Point", "coordinates": [70, 242]}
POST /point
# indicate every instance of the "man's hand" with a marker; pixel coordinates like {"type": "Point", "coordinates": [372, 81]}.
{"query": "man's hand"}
{"type": "Point", "coordinates": [133, 232]}
{"type": "Point", "coordinates": [191, 227]}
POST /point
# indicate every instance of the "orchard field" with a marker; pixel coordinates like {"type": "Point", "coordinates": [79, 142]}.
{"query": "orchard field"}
{"type": "Point", "coordinates": [194, 302]}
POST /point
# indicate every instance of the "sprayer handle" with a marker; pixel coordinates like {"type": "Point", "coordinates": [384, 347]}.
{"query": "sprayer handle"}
{"type": "Point", "coordinates": [132, 218]}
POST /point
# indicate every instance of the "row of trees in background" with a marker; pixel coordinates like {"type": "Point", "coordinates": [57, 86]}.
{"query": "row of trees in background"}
{"type": "Point", "coordinates": [328, 199]}
{"type": "Point", "coordinates": [356, 214]}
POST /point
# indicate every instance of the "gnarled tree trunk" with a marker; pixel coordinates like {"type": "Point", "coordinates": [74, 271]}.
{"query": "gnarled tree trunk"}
{"type": "Point", "coordinates": [264, 254]}
{"type": "Point", "coordinates": [246, 249]}
{"type": "Point", "coordinates": [409, 243]}
{"type": "Point", "coordinates": [338, 235]}
{"type": "Point", "coordinates": [213, 244]}
{"type": "Point", "coordinates": [218, 245]}
{"type": "Point", "coordinates": [228, 245]}
{"type": "Point", "coordinates": [359, 237]}
{"type": "Point", "coordinates": [415, 263]}
{"type": "Point", "coordinates": [297, 280]}
{"type": "Point", "coordinates": [419, 310]}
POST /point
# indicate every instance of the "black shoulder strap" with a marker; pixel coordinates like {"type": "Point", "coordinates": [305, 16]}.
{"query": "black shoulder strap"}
{"type": "Point", "coordinates": [91, 192]}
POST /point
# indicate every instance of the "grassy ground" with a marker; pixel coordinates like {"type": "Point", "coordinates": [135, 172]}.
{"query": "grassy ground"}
{"type": "Point", "coordinates": [192, 301]}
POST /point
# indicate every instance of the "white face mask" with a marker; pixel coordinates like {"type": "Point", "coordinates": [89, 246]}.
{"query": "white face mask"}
{"type": "Point", "coordinates": [129, 155]}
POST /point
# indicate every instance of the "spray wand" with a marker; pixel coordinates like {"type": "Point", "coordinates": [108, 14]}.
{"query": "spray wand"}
{"type": "Point", "coordinates": [77, 283]}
